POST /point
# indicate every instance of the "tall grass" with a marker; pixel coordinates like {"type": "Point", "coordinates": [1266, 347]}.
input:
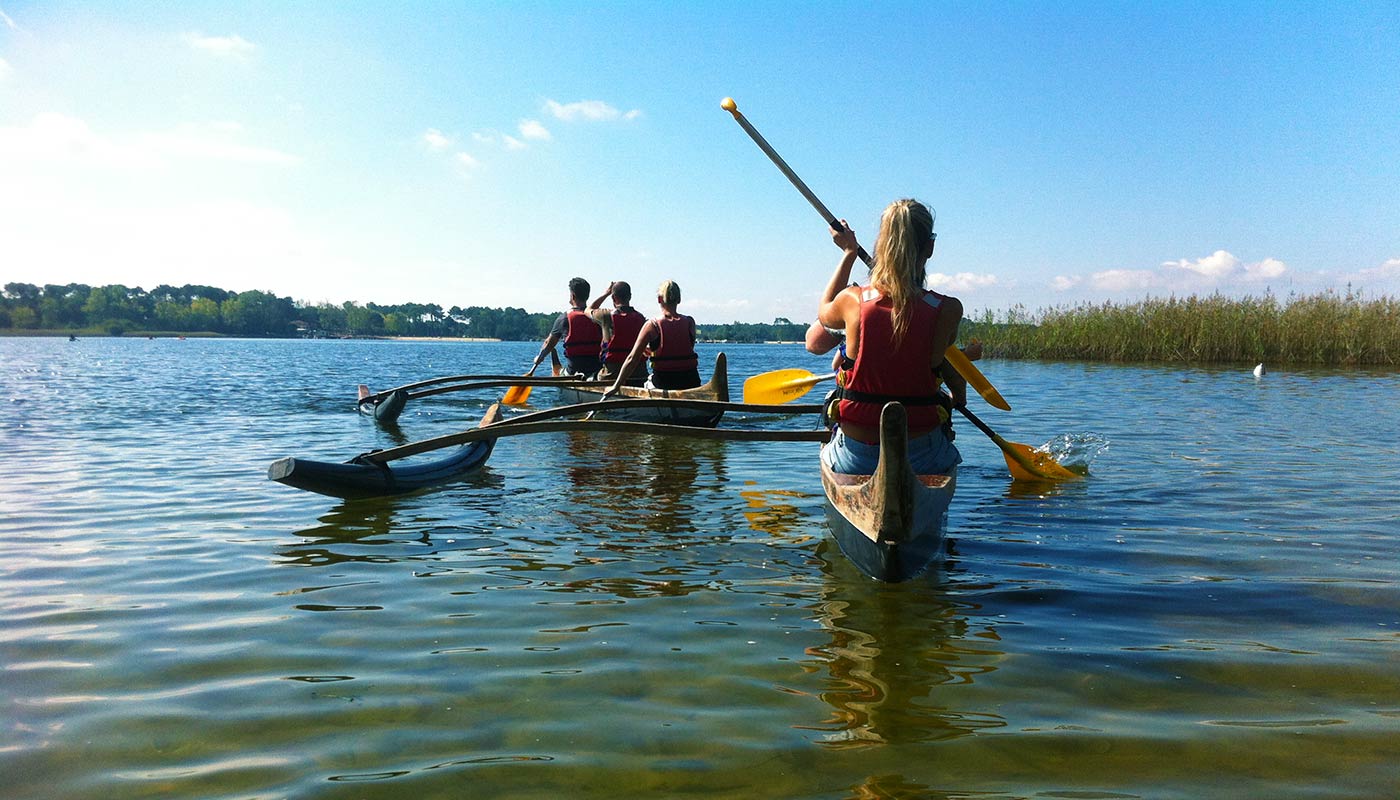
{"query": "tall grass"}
{"type": "Point", "coordinates": [1327, 328]}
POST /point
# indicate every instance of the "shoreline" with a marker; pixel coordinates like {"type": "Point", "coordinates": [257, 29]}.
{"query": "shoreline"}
{"type": "Point", "coordinates": [437, 339]}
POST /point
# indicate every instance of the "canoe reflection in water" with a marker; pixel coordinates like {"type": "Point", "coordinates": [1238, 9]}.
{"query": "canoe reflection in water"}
{"type": "Point", "coordinates": [893, 682]}
{"type": "Point", "coordinates": [641, 484]}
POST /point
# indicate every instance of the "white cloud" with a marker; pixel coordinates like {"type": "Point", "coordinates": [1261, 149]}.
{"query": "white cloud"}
{"type": "Point", "coordinates": [58, 139]}
{"type": "Point", "coordinates": [5, 69]}
{"type": "Point", "coordinates": [1219, 270]}
{"type": "Point", "coordinates": [587, 110]}
{"type": "Point", "coordinates": [529, 129]}
{"type": "Point", "coordinates": [1388, 270]}
{"type": "Point", "coordinates": [1222, 265]}
{"type": "Point", "coordinates": [961, 282]}
{"type": "Point", "coordinates": [1125, 280]}
{"type": "Point", "coordinates": [1216, 265]}
{"type": "Point", "coordinates": [211, 142]}
{"type": "Point", "coordinates": [532, 129]}
{"type": "Point", "coordinates": [436, 139]}
{"type": "Point", "coordinates": [1265, 270]}
{"type": "Point", "coordinates": [73, 236]}
{"type": "Point", "coordinates": [466, 160]}
{"type": "Point", "coordinates": [65, 140]}
{"type": "Point", "coordinates": [9, 23]}
{"type": "Point", "coordinates": [232, 46]}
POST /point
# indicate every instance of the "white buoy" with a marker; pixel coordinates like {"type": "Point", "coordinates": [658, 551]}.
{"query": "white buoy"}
{"type": "Point", "coordinates": [1259, 370]}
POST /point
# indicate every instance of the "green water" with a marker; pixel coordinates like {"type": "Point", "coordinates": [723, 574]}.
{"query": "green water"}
{"type": "Point", "coordinates": [1214, 613]}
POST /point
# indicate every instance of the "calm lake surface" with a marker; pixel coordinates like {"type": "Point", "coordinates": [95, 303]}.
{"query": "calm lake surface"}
{"type": "Point", "coordinates": [1215, 612]}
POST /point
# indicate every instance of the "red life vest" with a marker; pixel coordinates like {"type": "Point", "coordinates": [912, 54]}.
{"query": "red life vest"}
{"type": "Point", "coordinates": [676, 350]}
{"type": "Point", "coordinates": [584, 337]}
{"type": "Point", "coordinates": [627, 322]}
{"type": "Point", "coordinates": [882, 373]}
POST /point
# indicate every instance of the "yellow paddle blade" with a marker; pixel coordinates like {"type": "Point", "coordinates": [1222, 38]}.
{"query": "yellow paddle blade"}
{"type": "Point", "coordinates": [1028, 464]}
{"type": "Point", "coordinates": [780, 386]}
{"type": "Point", "coordinates": [516, 395]}
{"type": "Point", "coordinates": [975, 378]}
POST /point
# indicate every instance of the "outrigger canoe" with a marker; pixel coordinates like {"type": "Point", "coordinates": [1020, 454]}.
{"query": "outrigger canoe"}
{"type": "Point", "coordinates": [363, 477]}
{"type": "Point", "coordinates": [892, 524]}
{"type": "Point", "coordinates": [716, 390]}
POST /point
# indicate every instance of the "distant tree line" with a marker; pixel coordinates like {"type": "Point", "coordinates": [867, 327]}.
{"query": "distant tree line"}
{"type": "Point", "coordinates": [118, 309]}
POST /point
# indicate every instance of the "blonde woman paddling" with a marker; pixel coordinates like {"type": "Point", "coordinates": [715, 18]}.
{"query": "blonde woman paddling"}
{"type": "Point", "coordinates": [896, 333]}
{"type": "Point", "coordinates": [671, 340]}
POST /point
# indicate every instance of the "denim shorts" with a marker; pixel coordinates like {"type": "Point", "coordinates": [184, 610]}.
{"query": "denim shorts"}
{"type": "Point", "coordinates": [928, 454]}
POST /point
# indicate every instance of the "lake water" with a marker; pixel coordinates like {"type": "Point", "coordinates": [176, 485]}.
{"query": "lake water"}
{"type": "Point", "coordinates": [1214, 612]}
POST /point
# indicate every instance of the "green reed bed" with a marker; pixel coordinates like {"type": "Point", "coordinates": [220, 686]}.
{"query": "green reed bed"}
{"type": "Point", "coordinates": [1329, 328]}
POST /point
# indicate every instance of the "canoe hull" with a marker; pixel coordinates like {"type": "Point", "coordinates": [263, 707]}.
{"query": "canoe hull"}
{"type": "Point", "coordinates": [717, 389]}
{"type": "Point", "coordinates": [895, 560]}
{"type": "Point", "coordinates": [352, 479]}
{"type": "Point", "coordinates": [892, 524]}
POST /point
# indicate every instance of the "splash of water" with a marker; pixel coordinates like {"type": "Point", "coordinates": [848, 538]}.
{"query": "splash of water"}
{"type": "Point", "coordinates": [1076, 451]}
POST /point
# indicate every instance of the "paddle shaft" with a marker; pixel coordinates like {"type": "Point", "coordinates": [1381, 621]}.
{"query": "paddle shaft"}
{"type": "Point", "coordinates": [981, 426]}
{"type": "Point", "coordinates": [786, 170]}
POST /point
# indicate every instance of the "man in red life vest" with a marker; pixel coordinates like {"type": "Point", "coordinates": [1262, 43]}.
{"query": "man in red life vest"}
{"type": "Point", "coordinates": [582, 336]}
{"type": "Point", "coordinates": [625, 323]}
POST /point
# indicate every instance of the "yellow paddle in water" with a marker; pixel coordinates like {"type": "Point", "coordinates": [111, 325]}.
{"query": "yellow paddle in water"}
{"type": "Point", "coordinates": [517, 395]}
{"type": "Point", "coordinates": [1025, 462]}
{"type": "Point", "coordinates": [964, 367]}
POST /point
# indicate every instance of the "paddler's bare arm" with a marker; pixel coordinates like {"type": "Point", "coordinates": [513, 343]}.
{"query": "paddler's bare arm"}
{"type": "Point", "coordinates": [840, 309]}
{"type": "Point", "coordinates": [633, 358]}
{"type": "Point", "coordinates": [598, 301]}
{"type": "Point", "coordinates": [549, 343]}
{"type": "Point", "coordinates": [841, 278]}
{"type": "Point", "coordinates": [944, 335]}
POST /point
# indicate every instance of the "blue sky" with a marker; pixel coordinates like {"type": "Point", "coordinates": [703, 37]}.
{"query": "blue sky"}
{"type": "Point", "coordinates": [484, 153]}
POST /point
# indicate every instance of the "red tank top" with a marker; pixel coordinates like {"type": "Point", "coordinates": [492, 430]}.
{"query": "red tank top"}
{"type": "Point", "coordinates": [584, 337]}
{"type": "Point", "coordinates": [676, 350]}
{"type": "Point", "coordinates": [626, 324]}
{"type": "Point", "coordinates": [882, 373]}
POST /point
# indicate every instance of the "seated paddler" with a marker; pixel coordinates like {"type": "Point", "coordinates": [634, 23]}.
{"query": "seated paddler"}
{"type": "Point", "coordinates": [621, 327]}
{"type": "Point", "coordinates": [581, 334]}
{"type": "Point", "coordinates": [895, 332]}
